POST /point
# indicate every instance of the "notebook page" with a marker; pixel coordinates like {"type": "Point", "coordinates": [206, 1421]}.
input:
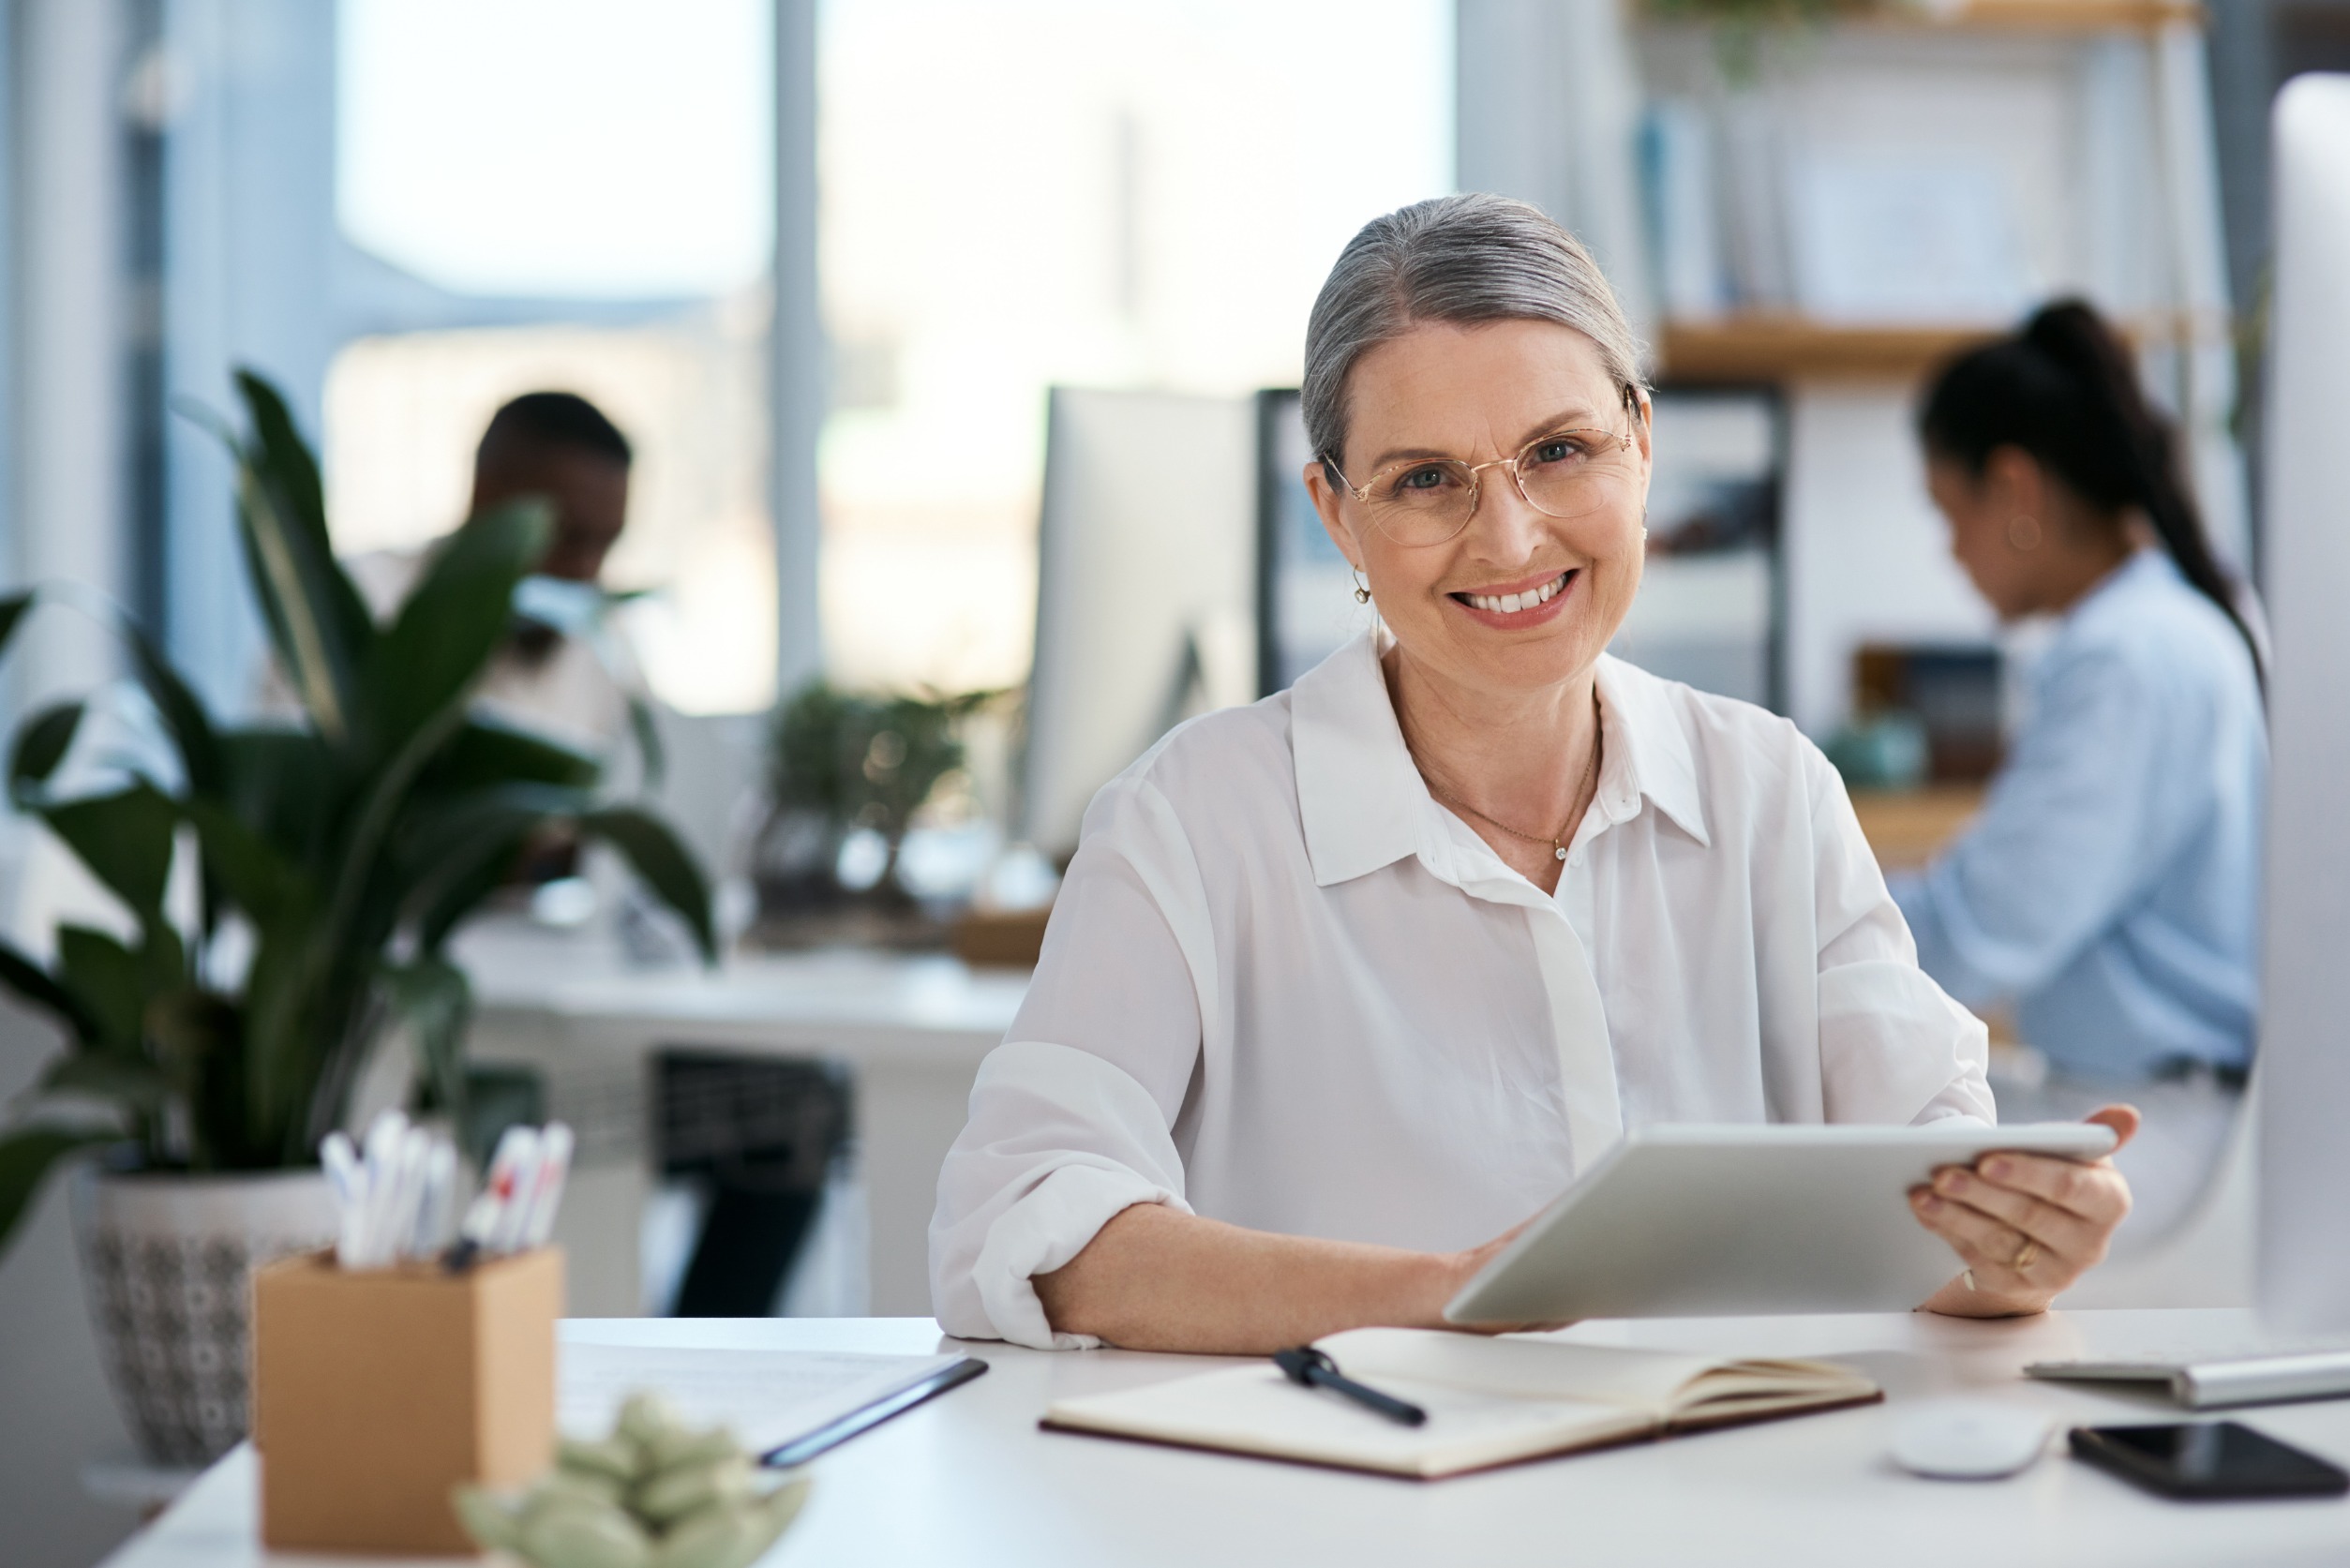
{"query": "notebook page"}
{"type": "Point", "coordinates": [1255, 1409]}
{"type": "Point", "coordinates": [769, 1398]}
{"type": "Point", "coordinates": [1739, 1380]}
{"type": "Point", "coordinates": [1514, 1368]}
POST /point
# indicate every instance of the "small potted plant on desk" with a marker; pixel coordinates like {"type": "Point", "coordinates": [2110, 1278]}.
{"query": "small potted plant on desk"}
{"type": "Point", "coordinates": [331, 855]}
{"type": "Point", "coordinates": [841, 764]}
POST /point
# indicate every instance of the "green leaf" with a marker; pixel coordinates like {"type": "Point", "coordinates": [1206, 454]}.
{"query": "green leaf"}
{"type": "Point", "coordinates": [256, 877]}
{"type": "Point", "coordinates": [432, 998]}
{"type": "Point", "coordinates": [317, 621]}
{"type": "Point", "coordinates": [647, 729]}
{"type": "Point", "coordinates": [451, 852]}
{"type": "Point", "coordinates": [183, 715]}
{"type": "Point", "coordinates": [130, 1082]}
{"type": "Point", "coordinates": [282, 784]}
{"type": "Point", "coordinates": [26, 1156]}
{"type": "Point", "coordinates": [456, 617]}
{"type": "Point", "coordinates": [124, 840]}
{"type": "Point", "coordinates": [665, 863]}
{"type": "Point", "coordinates": [14, 607]}
{"type": "Point", "coordinates": [200, 1036]}
{"type": "Point", "coordinates": [484, 753]}
{"type": "Point", "coordinates": [110, 981]}
{"type": "Point", "coordinates": [449, 898]}
{"type": "Point", "coordinates": [41, 743]}
{"type": "Point", "coordinates": [34, 984]}
{"type": "Point", "coordinates": [284, 456]}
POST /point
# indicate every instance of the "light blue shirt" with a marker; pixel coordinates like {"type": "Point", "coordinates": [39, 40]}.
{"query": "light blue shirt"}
{"type": "Point", "coordinates": [2111, 886]}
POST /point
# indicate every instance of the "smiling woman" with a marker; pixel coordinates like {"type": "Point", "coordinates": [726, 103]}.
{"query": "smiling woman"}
{"type": "Point", "coordinates": [1342, 986]}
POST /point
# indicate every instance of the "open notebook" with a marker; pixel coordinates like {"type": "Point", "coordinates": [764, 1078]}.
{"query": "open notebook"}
{"type": "Point", "coordinates": [1489, 1401]}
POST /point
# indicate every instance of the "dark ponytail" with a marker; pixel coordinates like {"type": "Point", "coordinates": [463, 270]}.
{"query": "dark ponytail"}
{"type": "Point", "coordinates": [2066, 391]}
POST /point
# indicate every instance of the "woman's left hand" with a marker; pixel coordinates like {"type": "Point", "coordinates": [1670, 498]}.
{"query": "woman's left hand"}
{"type": "Point", "coordinates": [2027, 1226]}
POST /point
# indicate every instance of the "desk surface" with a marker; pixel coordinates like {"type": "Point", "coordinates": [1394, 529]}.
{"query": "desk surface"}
{"type": "Point", "coordinates": [969, 1479]}
{"type": "Point", "coordinates": [862, 998]}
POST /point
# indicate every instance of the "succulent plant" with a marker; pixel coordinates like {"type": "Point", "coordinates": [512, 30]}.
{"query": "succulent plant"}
{"type": "Point", "coordinates": [655, 1494]}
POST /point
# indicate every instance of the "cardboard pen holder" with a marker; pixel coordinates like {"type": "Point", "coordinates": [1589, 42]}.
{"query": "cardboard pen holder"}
{"type": "Point", "coordinates": [376, 1393]}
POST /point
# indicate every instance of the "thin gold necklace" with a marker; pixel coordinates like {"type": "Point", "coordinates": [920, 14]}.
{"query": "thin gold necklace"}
{"type": "Point", "coordinates": [1556, 841]}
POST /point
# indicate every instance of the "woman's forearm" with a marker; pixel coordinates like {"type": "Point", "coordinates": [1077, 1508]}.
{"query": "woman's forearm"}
{"type": "Point", "coordinates": [1154, 1279]}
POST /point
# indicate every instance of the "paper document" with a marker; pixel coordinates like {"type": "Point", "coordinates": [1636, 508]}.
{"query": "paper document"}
{"type": "Point", "coordinates": [769, 1398]}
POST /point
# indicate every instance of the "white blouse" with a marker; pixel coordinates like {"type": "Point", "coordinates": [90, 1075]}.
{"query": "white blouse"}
{"type": "Point", "coordinates": [1283, 988]}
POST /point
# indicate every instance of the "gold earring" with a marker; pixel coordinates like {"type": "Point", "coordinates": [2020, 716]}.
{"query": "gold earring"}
{"type": "Point", "coordinates": [1362, 589]}
{"type": "Point", "coordinates": [2022, 531]}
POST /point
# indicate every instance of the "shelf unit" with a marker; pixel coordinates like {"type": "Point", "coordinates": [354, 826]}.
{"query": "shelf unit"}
{"type": "Point", "coordinates": [1788, 348]}
{"type": "Point", "coordinates": [2058, 16]}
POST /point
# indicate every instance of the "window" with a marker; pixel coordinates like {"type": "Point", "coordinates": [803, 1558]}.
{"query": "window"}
{"type": "Point", "coordinates": [578, 195]}
{"type": "Point", "coordinates": [1035, 192]}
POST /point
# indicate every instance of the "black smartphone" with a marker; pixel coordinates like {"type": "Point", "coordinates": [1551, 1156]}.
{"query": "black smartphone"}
{"type": "Point", "coordinates": [2209, 1459]}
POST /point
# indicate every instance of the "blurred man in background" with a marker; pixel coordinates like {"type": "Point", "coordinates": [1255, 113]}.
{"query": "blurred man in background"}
{"type": "Point", "coordinates": [565, 672]}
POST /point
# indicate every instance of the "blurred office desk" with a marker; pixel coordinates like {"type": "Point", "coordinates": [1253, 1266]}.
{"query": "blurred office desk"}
{"type": "Point", "coordinates": [969, 1479]}
{"type": "Point", "coordinates": [1908, 827]}
{"type": "Point", "coordinates": [911, 1028]}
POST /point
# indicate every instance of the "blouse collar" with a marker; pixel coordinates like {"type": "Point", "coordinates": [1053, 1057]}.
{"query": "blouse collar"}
{"type": "Point", "coordinates": [1364, 804]}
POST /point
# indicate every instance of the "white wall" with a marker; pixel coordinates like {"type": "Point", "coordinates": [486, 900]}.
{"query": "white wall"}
{"type": "Point", "coordinates": [1866, 554]}
{"type": "Point", "coordinates": [250, 219]}
{"type": "Point", "coordinates": [55, 1413]}
{"type": "Point", "coordinates": [67, 488]}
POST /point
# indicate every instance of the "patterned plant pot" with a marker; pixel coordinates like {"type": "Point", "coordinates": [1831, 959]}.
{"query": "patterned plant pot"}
{"type": "Point", "coordinates": [167, 1263]}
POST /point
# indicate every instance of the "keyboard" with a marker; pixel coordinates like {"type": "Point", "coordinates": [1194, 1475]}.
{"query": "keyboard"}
{"type": "Point", "coordinates": [2201, 1380]}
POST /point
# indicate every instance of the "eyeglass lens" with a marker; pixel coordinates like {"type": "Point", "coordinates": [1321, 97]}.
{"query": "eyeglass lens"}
{"type": "Point", "coordinates": [1570, 473]}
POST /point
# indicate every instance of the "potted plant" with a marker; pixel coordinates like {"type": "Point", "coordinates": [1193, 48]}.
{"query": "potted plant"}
{"type": "Point", "coordinates": [332, 857]}
{"type": "Point", "coordinates": [839, 762]}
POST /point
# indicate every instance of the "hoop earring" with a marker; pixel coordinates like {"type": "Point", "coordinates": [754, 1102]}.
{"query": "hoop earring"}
{"type": "Point", "coordinates": [2022, 531]}
{"type": "Point", "coordinates": [1362, 589]}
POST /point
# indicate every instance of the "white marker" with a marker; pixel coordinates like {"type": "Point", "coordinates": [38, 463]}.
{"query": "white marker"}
{"type": "Point", "coordinates": [555, 1147]}
{"type": "Point", "coordinates": [514, 1218]}
{"type": "Point", "coordinates": [436, 1211]}
{"type": "Point", "coordinates": [510, 1173]}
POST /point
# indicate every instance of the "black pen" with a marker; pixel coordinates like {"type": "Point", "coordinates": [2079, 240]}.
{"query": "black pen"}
{"type": "Point", "coordinates": [1308, 1368]}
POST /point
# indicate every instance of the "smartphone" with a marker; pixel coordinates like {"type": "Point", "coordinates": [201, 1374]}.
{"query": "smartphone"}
{"type": "Point", "coordinates": [2209, 1459]}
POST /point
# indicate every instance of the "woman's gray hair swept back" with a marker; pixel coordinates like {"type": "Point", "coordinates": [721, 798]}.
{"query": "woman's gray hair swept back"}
{"type": "Point", "coordinates": [1460, 258]}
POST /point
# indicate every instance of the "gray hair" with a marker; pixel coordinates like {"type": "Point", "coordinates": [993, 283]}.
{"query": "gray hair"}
{"type": "Point", "coordinates": [1461, 258]}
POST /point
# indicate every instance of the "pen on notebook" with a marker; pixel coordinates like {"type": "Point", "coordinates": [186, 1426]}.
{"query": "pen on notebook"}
{"type": "Point", "coordinates": [1308, 1368]}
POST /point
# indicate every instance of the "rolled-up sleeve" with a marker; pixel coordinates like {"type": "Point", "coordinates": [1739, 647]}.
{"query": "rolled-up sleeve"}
{"type": "Point", "coordinates": [1893, 1046]}
{"type": "Point", "coordinates": [1072, 1118]}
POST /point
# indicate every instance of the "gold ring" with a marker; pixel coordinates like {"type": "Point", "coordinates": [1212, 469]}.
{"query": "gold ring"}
{"type": "Point", "coordinates": [2026, 1255]}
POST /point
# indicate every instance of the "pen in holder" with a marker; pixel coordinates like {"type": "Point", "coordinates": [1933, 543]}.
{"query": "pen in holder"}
{"type": "Point", "coordinates": [419, 1354]}
{"type": "Point", "coordinates": [377, 1392]}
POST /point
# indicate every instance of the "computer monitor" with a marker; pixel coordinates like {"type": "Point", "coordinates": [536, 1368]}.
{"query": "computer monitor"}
{"type": "Point", "coordinates": [1145, 552]}
{"type": "Point", "coordinates": [1306, 604]}
{"type": "Point", "coordinates": [2303, 1077]}
{"type": "Point", "coordinates": [1711, 605]}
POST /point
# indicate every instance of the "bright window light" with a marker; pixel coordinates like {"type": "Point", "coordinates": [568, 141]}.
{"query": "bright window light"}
{"type": "Point", "coordinates": [1032, 192]}
{"type": "Point", "coordinates": [569, 148]}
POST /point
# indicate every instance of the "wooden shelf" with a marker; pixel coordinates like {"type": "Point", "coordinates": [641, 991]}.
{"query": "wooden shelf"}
{"type": "Point", "coordinates": [1787, 347]}
{"type": "Point", "coordinates": [2059, 16]}
{"type": "Point", "coordinates": [2009, 16]}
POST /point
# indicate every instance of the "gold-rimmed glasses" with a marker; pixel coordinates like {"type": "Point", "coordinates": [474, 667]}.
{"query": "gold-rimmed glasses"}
{"type": "Point", "coordinates": [1427, 501]}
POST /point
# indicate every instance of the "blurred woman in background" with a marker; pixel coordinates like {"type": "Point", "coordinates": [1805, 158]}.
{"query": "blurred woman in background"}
{"type": "Point", "coordinates": [2109, 889]}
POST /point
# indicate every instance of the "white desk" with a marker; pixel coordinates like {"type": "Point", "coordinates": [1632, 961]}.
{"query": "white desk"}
{"type": "Point", "coordinates": [969, 1480]}
{"type": "Point", "coordinates": [911, 1028]}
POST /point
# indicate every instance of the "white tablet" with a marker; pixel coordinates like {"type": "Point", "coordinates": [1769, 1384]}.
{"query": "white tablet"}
{"type": "Point", "coordinates": [1706, 1222]}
